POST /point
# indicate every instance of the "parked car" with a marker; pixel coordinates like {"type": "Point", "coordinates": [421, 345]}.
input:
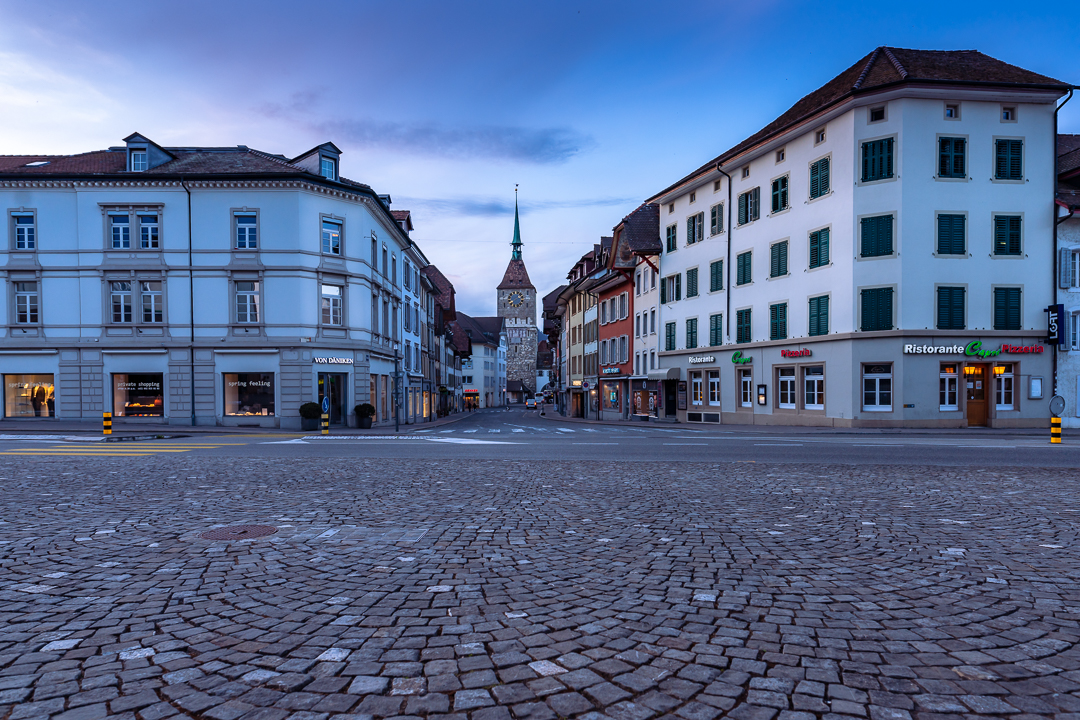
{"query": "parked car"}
{"type": "Point", "coordinates": [530, 404]}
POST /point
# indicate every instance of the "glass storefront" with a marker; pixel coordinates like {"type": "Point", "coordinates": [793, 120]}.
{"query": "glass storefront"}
{"type": "Point", "coordinates": [141, 395]}
{"type": "Point", "coordinates": [249, 394]}
{"type": "Point", "coordinates": [611, 396]}
{"type": "Point", "coordinates": [27, 396]}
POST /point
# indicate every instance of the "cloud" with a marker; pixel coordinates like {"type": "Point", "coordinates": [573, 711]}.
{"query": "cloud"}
{"type": "Point", "coordinates": [493, 207]}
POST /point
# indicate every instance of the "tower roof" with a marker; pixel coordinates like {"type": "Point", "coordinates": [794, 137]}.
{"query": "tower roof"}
{"type": "Point", "coordinates": [516, 243]}
{"type": "Point", "coordinates": [516, 276]}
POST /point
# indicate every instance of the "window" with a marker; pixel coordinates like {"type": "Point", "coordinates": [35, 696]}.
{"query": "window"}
{"type": "Point", "coordinates": [693, 197]}
{"type": "Point", "coordinates": [780, 194]}
{"type": "Point", "coordinates": [1069, 264]}
{"type": "Point", "coordinates": [652, 321]}
{"type": "Point", "coordinates": [603, 312]}
{"type": "Point", "coordinates": [247, 301]}
{"type": "Point", "coordinates": [877, 236]}
{"type": "Point", "coordinates": [120, 299]}
{"type": "Point", "coordinates": [624, 349]}
{"type": "Point", "coordinates": [25, 231]}
{"type": "Point", "coordinates": [695, 228]}
{"type": "Point", "coordinates": [814, 388]}
{"type": "Point", "coordinates": [746, 171]}
{"type": "Point", "coordinates": [743, 263]}
{"type": "Point", "coordinates": [952, 111]}
{"type": "Point", "coordinates": [714, 387]}
{"type": "Point", "coordinates": [1008, 113]}
{"type": "Point", "coordinates": [819, 178]}
{"type": "Point", "coordinates": [691, 333]}
{"type": "Point", "coordinates": [138, 160]}
{"type": "Point", "coordinates": [26, 303]}
{"type": "Point", "coordinates": [948, 381]}
{"type": "Point", "coordinates": [138, 395]}
{"type": "Point", "coordinates": [637, 325]}
{"type": "Point", "coordinates": [952, 161]}
{"type": "Point", "coordinates": [328, 168]}
{"type": "Point", "coordinates": [671, 289]}
{"type": "Point", "coordinates": [778, 321]}
{"type": "Point", "coordinates": [781, 155]}
{"type": "Point", "coordinates": [778, 260]}
{"type": "Point", "coordinates": [785, 391]}
{"type": "Point", "coordinates": [331, 237]}
{"type": "Point", "coordinates": [819, 315]}
{"type": "Point", "coordinates": [877, 309]}
{"type": "Point", "coordinates": [393, 269]}
{"type": "Point", "coordinates": [249, 394]}
{"type": "Point", "coordinates": [1009, 160]}
{"type": "Point", "coordinates": [716, 219]}
{"type": "Point", "coordinates": [669, 336]}
{"type": "Point", "coordinates": [374, 314]}
{"type": "Point", "coordinates": [877, 160]}
{"type": "Point", "coordinates": [152, 307]}
{"type": "Point", "coordinates": [716, 276]}
{"type": "Point", "coordinates": [331, 305]}
{"type": "Point", "coordinates": [742, 326]}
{"type": "Point", "coordinates": [1003, 386]}
{"type": "Point", "coordinates": [749, 206]}
{"type": "Point", "coordinates": [951, 234]}
{"type": "Point", "coordinates": [819, 248]}
{"type": "Point", "coordinates": [696, 393]}
{"type": "Point", "coordinates": [652, 359]}
{"type": "Point", "coordinates": [29, 396]}
{"type": "Point", "coordinates": [624, 301]}
{"type": "Point", "coordinates": [148, 232]}
{"type": "Point", "coordinates": [819, 136]}
{"type": "Point", "coordinates": [407, 276]}
{"type": "Point", "coordinates": [950, 308]}
{"type": "Point", "coordinates": [1074, 331]}
{"type": "Point", "coordinates": [120, 227]}
{"type": "Point", "coordinates": [877, 114]}
{"type": "Point", "coordinates": [1007, 235]}
{"type": "Point", "coordinates": [877, 388]}
{"type": "Point", "coordinates": [603, 352]}
{"type": "Point", "coordinates": [716, 330]}
{"type": "Point", "coordinates": [672, 243]}
{"type": "Point", "coordinates": [691, 282]}
{"type": "Point", "coordinates": [746, 388]}
{"type": "Point", "coordinates": [671, 208]}
{"type": "Point", "coordinates": [247, 235]}
{"type": "Point", "coordinates": [1007, 308]}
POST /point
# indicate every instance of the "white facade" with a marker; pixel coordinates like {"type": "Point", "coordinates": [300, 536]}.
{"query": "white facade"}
{"type": "Point", "coordinates": [1068, 294]}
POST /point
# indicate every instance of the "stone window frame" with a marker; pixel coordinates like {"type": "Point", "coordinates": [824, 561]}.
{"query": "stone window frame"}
{"type": "Point", "coordinates": [135, 278]}
{"type": "Point", "coordinates": [132, 210]}
{"type": "Point", "coordinates": [233, 214]}
{"type": "Point", "coordinates": [12, 230]}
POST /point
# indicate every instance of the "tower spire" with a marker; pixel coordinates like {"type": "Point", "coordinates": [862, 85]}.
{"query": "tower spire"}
{"type": "Point", "coordinates": [516, 244]}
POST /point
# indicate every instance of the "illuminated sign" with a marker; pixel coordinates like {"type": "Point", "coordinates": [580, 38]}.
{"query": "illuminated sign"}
{"type": "Point", "coordinates": [332, 361]}
{"type": "Point", "coordinates": [698, 359]}
{"type": "Point", "coordinates": [611, 371]}
{"type": "Point", "coordinates": [738, 359]}
{"type": "Point", "coordinates": [805, 352]}
{"type": "Point", "coordinates": [972, 349]}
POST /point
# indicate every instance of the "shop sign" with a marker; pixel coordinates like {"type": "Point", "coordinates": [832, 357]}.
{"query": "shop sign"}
{"type": "Point", "coordinates": [611, 371]}
{"type": "Point", "coordinates": [332, 361]}
{"type": "Point", "coordinates": [738, 359]}
{"type": "Point", "coordinates": [700, 359]}
{"type": "Point", "coordinates": [1055, 325]}
{"type": "Point", "coordinates": [972, 349]}
{"type": "Point", "coordinates": [576, 383]}
{"type": "Point", "coordinates": [805, 352]}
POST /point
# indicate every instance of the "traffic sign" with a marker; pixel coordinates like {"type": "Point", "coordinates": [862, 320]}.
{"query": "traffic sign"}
{"type": "Point", "coordinates": [325, 405]}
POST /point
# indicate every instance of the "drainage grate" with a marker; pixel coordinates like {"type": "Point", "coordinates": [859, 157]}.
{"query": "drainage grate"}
{"type": "Point", "coordinates": [239, 532]}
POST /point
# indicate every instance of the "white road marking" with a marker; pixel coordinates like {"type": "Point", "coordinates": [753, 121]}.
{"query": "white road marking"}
{"type": "Point", "coordinates": [777, 444]}
{"type": "Point", "coordinates": [702, 444]}
{"type": "Point", "coordinates": [517, 430]}
{"type": "Point", "coordinates": [470, 431]}
{"type": "Point", "coordinates": [595, 443]}
{"type": "Point", "coordinates": [285, 442]}
{"type": "Point", "coordinates": [491, 431]}
{"type": "Point", "coordinates": [564, 430]}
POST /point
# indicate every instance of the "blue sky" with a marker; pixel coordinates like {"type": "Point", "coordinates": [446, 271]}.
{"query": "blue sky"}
{"type": "Point", "coordinates": [590, 107]}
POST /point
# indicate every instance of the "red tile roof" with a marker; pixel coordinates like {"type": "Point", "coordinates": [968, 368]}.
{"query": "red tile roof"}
{"type": "Point", "coordinates": [516, 276]}
{"type": "Point", "coordinates": [444, 294]}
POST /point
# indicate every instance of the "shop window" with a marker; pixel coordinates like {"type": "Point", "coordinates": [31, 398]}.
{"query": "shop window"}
{"type": "Point", "coordinates": [26, 303]}
{"type": "Point", "coordinates": [27, 396]}
{"type": "Point", "coordinates": [877, 388]}
{"type": "Point", "coordinates": [746, 388]}
{"type": "Point", "coordinates": [696, 390]}
{"type": "Point", "coordinates": [611, 396]}
{"type": "Point", "coordinates": [247, 301]}
{"type": "Point", "coordinates": [249, 394]}
{"type": "Point", "coordinates": [948, 383]}
{"type": "Point", "coordinates": [814, 388]}
{"type": "Point", "coordinates": [138, 395]}
{"type": "Point", "coordinates": [1003, 386]}
{"type": "Point", "coordinates": [120, 300]}
{"type": "Point", "coordinates": [785, 391]}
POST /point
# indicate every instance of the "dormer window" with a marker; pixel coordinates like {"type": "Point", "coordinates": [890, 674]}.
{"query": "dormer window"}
{"type": "Point", "coordinates": [138, 160]}
{"type": "Point", "coordinates": [328, 168]}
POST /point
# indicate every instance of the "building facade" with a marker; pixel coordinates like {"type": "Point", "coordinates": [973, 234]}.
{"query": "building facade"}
{"type": "Point", "coordinates": [516, 305]}
{"type": "Point", "coordinates": [484, 372]}
{"type": "Point", "coordinates": [1068, 275]}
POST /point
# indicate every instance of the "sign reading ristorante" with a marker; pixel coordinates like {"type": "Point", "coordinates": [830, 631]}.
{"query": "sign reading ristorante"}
{"type": "Point", "coordinates": [698, 359]}
{"type": "Point", "coordinates": [972, 349]}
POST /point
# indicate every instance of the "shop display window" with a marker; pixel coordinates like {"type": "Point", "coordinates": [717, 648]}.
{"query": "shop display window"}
{"type": "Point", "coordinates": [611, 396]}
{"type": "Point", "coordinates": [141, 395]}
{"type": "Point", "coordinates": [249, 394]}
{"type": "Point", "coordinates": [1003, 386]}
{"type": "Point", "coordinates": [947, 387]}
{"type": "Point", "coordinates": [814, 388]}
{"type": "Point", "coordinates": [746, 388]}
{"type": "Point", "coordinates": [27, 396]}
{"type": "Point", "coordinates": [696, 394]}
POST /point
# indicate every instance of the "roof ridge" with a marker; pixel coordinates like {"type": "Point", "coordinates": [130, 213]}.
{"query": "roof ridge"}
{"type": "Point", "coordinates": [866, 70]}
{"type": "Point", "coordinates": [274, 158]}
{"type": "Point", "coordinates": [896, 63]}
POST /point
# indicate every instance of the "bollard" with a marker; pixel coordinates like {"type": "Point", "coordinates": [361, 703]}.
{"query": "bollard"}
{"type": "Point", "coordinates": [1055, 430]}
{"type": "Point", "coordinates": [106, 423]}
{"type": "Point", "coordinates": [325, 424]}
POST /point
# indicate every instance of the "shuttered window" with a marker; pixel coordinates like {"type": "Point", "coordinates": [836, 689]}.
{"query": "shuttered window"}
{"type": "Point", "coordinates": [663, 291]}
{"type": "Point", "coordinates": [1007, 235]}
{"type": "Point", "coordinates": [877, 309]}
{"type": "Point", "coordinates": [877, 236]}
{"type": "Point", "coordinates": [1009, 160]}
{"type": "Point", "coordinates": [780, 194]}
{"type": "Point", "coordinates": [716, 276]}
{"type": "Point", "coordinates": [742, 268]}
{"type": "Point", "coordinates": [691, 333]}
{"type": "Point", "coordinates": [716, 330]}
{"type": "Point", "coordinates": [695, 228]}
{"type": "Point", "coordinates": [691, 282]}
{"type": "Point", "coordinates": [952, 161]}
{"type": "Point", "coordinates": [749, 206]}
{"type": "Point", "coordinates": [716, 219]}
{"type": "Point", "coordinates": [742, 326]}
{"type": "Point", "coordinates": [1006, 308]}
{"type": "Point", "coordinates": [819, 178]}
{"type": "Point", "coordinates": [819, 248]}
{"type": "Point", "coordinates": [819, 316]}
{"type": "Point", "coordinates": [669, 336]}
{"type": "Point", "coordinates": [950, 234]}
{"type": "Point", "coordinates": [778, 321]}
{"type": "Point", "coordinates": [778, 260]}
{"type": "Point", "coordinates": [678, 287]}
{"type": "Point", "coordinates": [877, 161]}
{"type": "Point", "coordinates": [950, 308]}
{"type": "Point", "coordinates": [672, 242]}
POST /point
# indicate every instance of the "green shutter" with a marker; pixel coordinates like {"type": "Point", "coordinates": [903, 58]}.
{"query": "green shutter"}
{"type": "Point", "coordinates": [716, 276]}
{"type": "Point", "coordinates": [716, 330]}
{"type": "Point", "coordinates": [671, 238]}
{"type": "Point", "coordinates": [691, 333]}
{"type": "Point", "coordinates": [1006, 234]}
{"type": "Point", "coordinates": [876, 236]}
{"type": "Point", "coordinates": [824, 174]}
{"type": "Point", "coordinates": [743, 269]}
{"type": "Point", "coordinates": [1007, 309]}
{"type": "Point", "coordinates": [716, 219]}
{"type": "Point", "coordinates": [869, 160]}
{"type": "Point", "coordinates": [1009, 160]}
{"type": "Point", "coordinates": [678, 287]}
{"type": "Point", "coordinates": [815, 181]}
{"type": "Point", "coordinates": [887, 158]}
{"type": "Point", "coordinates": [663, 291]}
{"type": "Point", "coordinates": [819, 178]}
{"type": "Point", "coordinates": [691, 283]}
{"type": "Point", "coordinates": [819, 248]}
{"type": "Point", "coordinates": [877, 162]}
{"type": "Point", "coordinates": [669, 336]}
{"type": "Point", "coordinates": [755, 204]}
{"type": "Point", "coordinates": [869, 310]}
{"type": "Point", "coordinates": [869, 237]}
{"type": "Point", "coordinates": [743, 326]}
{"type": "Point", "coordinates": [950, 308]}
{"type": "Point", "coordinates": [951, 157]}
{"type": "Point", "coordinates": [778, 321]}
{"type": "Point", "coordinates": [819, 316]}
{"type": "Point", "coordinates": [950, 234]}
{"type": "Point", "coordinates": [876, 309]}
{"type": "Point", "coordinates": [743, 200]}
{"type": "Point", "coordinates": [779, 194]}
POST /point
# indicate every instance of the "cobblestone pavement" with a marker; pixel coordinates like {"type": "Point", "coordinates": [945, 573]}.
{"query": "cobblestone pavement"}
{"type": "Point", "coordinates": [490, 590]}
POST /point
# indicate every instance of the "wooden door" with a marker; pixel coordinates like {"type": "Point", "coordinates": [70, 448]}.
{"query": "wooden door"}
{"type": "Point", "coordinates": [977, 388]}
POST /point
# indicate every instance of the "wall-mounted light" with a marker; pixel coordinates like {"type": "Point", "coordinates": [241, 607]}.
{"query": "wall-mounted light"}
{"type": "Point", "coordinates": [999, 370]}
{"type": "Point", "coordinates": [761, 396]}
{"type": "Point", "coordinates": [972, 370]}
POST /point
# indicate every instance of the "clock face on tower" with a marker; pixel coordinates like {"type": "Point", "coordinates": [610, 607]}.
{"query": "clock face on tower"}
{"type": "Point", "coordinates": [515, 299]}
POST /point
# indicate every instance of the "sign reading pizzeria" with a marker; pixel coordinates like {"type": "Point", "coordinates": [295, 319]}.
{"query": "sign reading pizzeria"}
{"type": "Point", "coordinates": [805, 352]}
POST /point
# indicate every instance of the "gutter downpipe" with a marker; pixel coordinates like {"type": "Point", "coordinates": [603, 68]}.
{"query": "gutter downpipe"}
{"type": "Point", "coordinates": [731, 229]}
{"type": "Point", "coordinates": [1054, 277]}
{"type": "Point", "coordinates": [191, 299]}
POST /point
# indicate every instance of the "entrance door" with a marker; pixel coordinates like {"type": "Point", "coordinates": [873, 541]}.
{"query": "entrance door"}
{"type": "Point", "coordinates": [669, 398]}
{"type": "Point", "coordinates": [332, 385]}
{"type": "Point", "coordinates": [975, 383]}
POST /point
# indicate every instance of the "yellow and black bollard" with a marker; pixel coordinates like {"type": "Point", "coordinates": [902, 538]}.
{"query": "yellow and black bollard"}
{"type": "Point", "coordinates": [106, 423]}
{"type": "Point", "coordinates": [1055, 430]}
{"type": "Point", "coordinates": [325, 424]}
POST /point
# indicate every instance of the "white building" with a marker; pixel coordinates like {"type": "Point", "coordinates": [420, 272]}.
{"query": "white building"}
{"type": "Point", "coordinates": [1068, 294]}
{"type": "Point", "coordinates": [484, 372]}
{"type": "Point", "coordinates": [197, 285]}
{"type": "Point", "coordinates": [876, 256]}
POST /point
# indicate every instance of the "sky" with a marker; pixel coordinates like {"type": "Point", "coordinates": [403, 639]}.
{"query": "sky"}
{"type": "Point", "coordinates": [588, 107]}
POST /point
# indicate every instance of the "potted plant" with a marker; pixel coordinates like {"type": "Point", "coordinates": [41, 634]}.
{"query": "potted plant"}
{"type": "Point", "coordinates": [364, 413]}
{"type": "Point", "coordinates": [310, 414]}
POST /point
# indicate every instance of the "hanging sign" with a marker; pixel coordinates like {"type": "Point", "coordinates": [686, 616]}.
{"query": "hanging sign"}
{"type": "Point", "coordinates": [1055, 325]}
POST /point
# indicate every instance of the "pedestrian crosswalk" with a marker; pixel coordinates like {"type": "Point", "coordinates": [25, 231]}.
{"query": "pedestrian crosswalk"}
{"type": "Point", "coordinates": [113, 449]}
{"type": "Point", "coordinates": [549, 430]}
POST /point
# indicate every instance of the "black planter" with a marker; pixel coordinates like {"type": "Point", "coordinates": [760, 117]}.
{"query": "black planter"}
{"type": "Point", "coordinates": [309, 423]}
{"type": "Point", "coordinates": [364, 423]}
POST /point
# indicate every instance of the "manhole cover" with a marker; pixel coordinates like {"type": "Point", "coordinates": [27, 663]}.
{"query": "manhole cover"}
{"type": "Point", "coordinates": [239, 532]}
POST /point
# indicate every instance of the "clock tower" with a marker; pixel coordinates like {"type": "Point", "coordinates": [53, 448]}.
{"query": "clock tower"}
{"type": "Point", "coordinates": [517, 307]}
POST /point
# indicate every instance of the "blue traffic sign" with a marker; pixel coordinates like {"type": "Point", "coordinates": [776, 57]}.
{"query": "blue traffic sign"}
{"type": "Point", "coordinates": [325, 405]}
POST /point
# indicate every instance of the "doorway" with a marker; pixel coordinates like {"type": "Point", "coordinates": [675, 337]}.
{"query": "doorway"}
{"type": "Point", "coordinates": [669, 398]}
{"type": "Point", "coordinates": [975, 389]}
{"type": "Point", "coordinates": [332, 385]}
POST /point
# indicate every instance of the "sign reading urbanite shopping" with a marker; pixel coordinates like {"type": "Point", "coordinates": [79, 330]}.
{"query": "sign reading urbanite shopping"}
{"type": "Point", "coordinates": [738, 359]}
{"type": "Point", "coordinates": [332, 361]}
{"type": "Point", "coordinates": [972, 349]}
{"type": "Point", "coordinates": [698, 359]}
